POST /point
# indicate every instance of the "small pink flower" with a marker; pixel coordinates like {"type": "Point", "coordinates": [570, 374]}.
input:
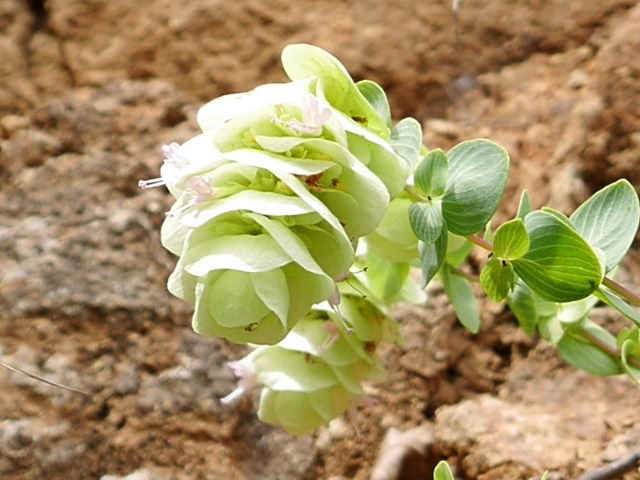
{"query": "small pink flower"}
{"type": "Point", "coordinates": [313, 118]}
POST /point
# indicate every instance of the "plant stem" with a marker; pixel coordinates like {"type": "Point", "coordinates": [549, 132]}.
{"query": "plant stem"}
{"type": "Point", "coordinates": [413, 194]}
{"type": "Point", "coordinates": [635, 362]}
{"type": "Point", "coordinates": [481, 242]}
{"type": "Point", "coordinates": [631, 297]}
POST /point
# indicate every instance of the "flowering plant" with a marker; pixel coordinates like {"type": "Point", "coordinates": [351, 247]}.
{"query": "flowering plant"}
{"type": "Point", "coordinates": [301, 212]}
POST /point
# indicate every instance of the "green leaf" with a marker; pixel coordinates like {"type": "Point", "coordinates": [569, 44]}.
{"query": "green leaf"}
{"type": "Point", "coordinates": [578, 351]}
{"type": "Point", "coordinates": [442, 471]}
{"type": "Point", "coordinates": [377, 98]}
{"type": "Point", "coordinates": [559, 265]}
{"type": "Point", "coordinates": [430, 176]}
{"type": "Point", "coordinates": [511, 240]}
{"type": "Point", "coordinates": [426, 220]}
{"type": "Point", "coordinates": [609, 220]}
{"type": "Point", "coordinates": [524, 207]}
{"type": "Point", "coordinates": [431, 258]}
{"type": "Point", "coordinates": [406, 140]}
{"type": "Point", "coordinates": [478, 171]}
{"type": "Point", "coordinates": [497, 278]}
{"type": "Point", "coordinates": [462, 299]}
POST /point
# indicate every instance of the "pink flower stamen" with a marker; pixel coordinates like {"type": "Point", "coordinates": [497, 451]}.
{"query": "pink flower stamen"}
{"type": "Point", "coordinates": [246, 381]}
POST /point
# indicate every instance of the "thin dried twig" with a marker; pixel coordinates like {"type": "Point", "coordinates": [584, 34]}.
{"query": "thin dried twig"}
{"type": "Point", "coordinates": [43, 380]}
{"type": "Point", "coordinates": [614, 469]}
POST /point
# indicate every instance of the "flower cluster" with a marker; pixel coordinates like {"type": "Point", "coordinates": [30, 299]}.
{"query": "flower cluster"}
{"type": "Point", "coordinates": [272, 199]}
{"type": "Point", "coordinates": [316, 372]}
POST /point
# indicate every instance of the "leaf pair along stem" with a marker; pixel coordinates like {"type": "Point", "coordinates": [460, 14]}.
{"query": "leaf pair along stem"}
{"type": "Point", "coordinates": [625, 293]}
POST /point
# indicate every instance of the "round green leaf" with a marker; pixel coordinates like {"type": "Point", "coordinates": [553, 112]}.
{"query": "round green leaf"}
{"type": "Point", "coordinates": [478, 171]}
{"type": "Point", "coordinates": [609, 220]}
{"type": "Point", "coordinates": [442, 472]}
{"type": "Point", "coordinates": [511, 240]}
{"type": "Point", "coordinates": [430, 176]}
{"type": "Point", "coordinates": [497, 279]}
{"type": "Point", "coordinates": [560, 265]}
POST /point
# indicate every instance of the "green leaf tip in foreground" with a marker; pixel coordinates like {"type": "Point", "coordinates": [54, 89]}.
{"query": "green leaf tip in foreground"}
{"type": "Point", "coordinates": [430, 176]}
{"type": "Point", "coordinates": [497, 279]}
{"type": "Point", "coordinates": [478, 171]}
{"type": "Point", "coordinates": [461, 297]}
{"type": "Point", "coordinates": [560, 265]}
{"type": "Point", "coordinates": [442, 471]}
{"type": "Point", "coordinates": [511, 240]}
{"type": "Point", "coordinates": [609, 220]}
{"type": "Point", "coordinates": [432, 256]}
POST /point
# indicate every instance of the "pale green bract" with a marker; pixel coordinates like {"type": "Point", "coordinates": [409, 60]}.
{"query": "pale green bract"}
{"type": "Point", "coordinates": [272, 201]}
{"type": "Point", "coordinates": [315, 373]}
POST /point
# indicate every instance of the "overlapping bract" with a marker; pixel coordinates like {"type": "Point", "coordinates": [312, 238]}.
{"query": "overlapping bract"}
{"type": "Point", "coordinates": [315, 373]}
{"type": "Point", "coordinates": [272, 198]}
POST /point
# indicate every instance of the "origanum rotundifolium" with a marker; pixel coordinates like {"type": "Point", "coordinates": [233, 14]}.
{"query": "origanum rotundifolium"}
{"type": "Point", "coordinates": [302, 213]}
{"type": "Point", "coordinates": [272, 201]}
